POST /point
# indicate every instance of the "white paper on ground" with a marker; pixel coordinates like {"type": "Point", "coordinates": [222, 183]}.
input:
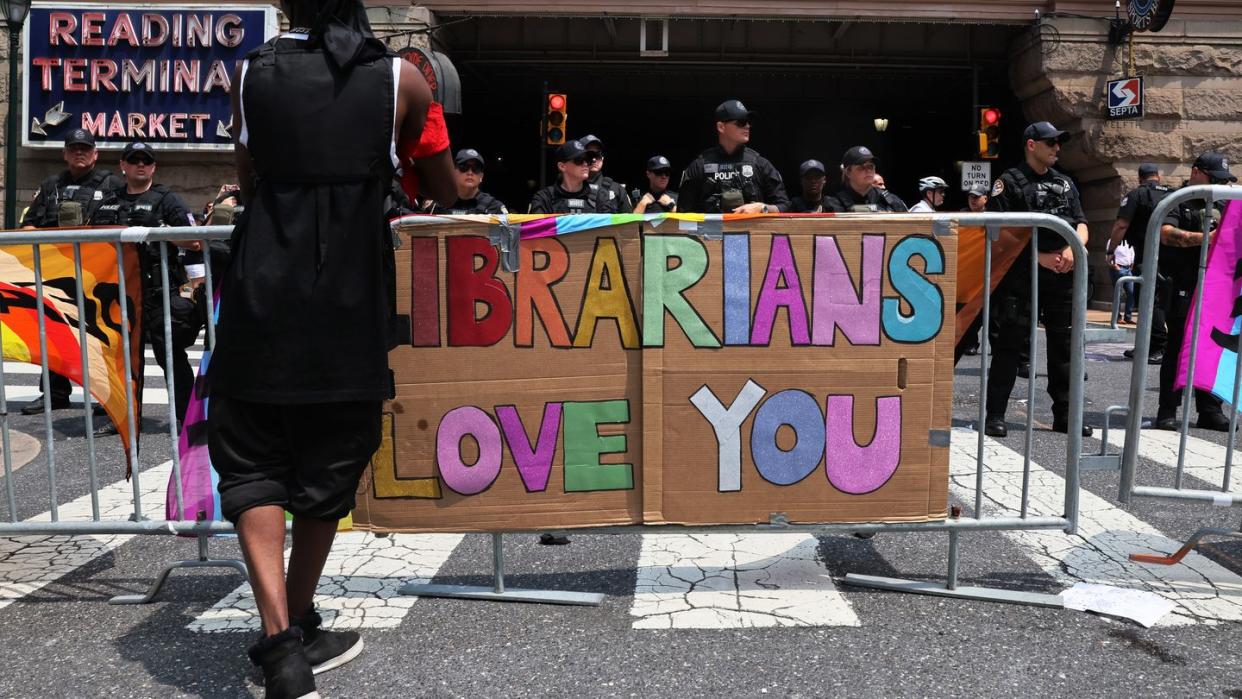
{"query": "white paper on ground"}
{"type": "Point", "coordinates": [1143, 607]}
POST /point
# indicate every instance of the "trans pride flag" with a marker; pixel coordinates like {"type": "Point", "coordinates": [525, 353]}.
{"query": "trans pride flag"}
{"type": "Point", "coordinates": [1221, 324]}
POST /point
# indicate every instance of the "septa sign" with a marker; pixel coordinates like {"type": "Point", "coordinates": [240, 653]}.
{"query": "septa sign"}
{"type": "Point", "coordinates": [1125, 98]}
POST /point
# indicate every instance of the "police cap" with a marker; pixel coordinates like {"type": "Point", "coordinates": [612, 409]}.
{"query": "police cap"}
{"type": "Point", "coordinates": [659, 163]}
{"type": "Point", "coordinates": [80, 137]}
{"type": "Point", "coordinates": [465, 155]}
{"type": "Point", "coordinates": [138, 147]}
{"type": "Point", "coordinates": [732, 110]}
{"type": "Point", "coordinates": [1043, 131]}
{"type": "Point", "coordinates": [591, 140]}
{"type": "Point", "coordinates": [857, 156]}
{"type": "Point", "coordinates": [1148, 170]}
{"type": "Point", "coordinates": [810, 166]}
{"type": "Point", "coordinates": [1216, 165]}
{"type": "Point", "coordinates": [569, 150]}
{"type": "Point", "coordinates": [978, 191]}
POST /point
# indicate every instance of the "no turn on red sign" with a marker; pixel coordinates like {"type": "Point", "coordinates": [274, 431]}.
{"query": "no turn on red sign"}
{"type": "Point", "coordinates": [976, 174]}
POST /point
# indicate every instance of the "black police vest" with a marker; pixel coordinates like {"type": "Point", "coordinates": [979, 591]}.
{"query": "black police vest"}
{"type": "Point", "coordinates": [724, 179]}
{"type": "Point", "coordinates": [143, 210]}
{"type": "Point", "coordinates": [1048, 196]}
{"type": "Point", "coordinates": [655, 206]}
{"type": "Point", "coordinates": [484, 203]}
{"type": "Point", "coordinates": [88, 194]}
{"type": "Point", "coordinates": [1147, 196]}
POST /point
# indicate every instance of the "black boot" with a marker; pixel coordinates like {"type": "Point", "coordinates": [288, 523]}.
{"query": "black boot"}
{"type": "Point", "coordinates": [1167, 420]}
{"type": "Point", "coordinates": [550, 539]}
{"type": "Point", "coordinates": [286, 673]}
{"type": "Point", "coordinates": [994, 426]}
{"type": "Point", "coordinates": [1061, 424]}
{"type": "Point", "coordinates": [1213, 421]}
{"type": "Point", "coordinates": [35, 407]}
{"type": "Point", "coordinates": [326, 650]}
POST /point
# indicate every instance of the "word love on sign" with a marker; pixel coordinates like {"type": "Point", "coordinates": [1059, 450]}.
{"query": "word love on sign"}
{"type": "Point", "coordinates": [628, 375]}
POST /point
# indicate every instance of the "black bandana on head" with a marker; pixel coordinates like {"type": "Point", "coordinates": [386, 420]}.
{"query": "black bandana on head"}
{"type": "Point", "coordinates": [346, 34]}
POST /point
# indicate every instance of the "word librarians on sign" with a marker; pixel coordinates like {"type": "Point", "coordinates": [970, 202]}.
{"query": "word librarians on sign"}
{"type": "Point", "coordinates": [1125, 98]}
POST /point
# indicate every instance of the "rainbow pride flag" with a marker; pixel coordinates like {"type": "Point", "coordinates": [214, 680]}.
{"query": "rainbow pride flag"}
{"type": "Point", "coordinates": [1221, 322]}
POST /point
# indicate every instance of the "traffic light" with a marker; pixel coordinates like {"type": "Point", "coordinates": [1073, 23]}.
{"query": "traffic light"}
{"type": "Point", "coordinates": [989, 132]}
{"type": "Point", "coordinates": [554, 121]}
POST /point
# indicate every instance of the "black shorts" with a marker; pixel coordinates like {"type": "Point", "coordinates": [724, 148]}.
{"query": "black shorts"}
{"type": "Point", "coordinates": [307, 458]}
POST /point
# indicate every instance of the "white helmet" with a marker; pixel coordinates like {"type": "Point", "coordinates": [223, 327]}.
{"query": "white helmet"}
{"type": "Point", "coordinates": [932, 182]}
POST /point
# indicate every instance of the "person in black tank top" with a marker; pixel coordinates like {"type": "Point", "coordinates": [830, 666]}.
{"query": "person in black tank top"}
{"type": "Point", "coordinates": [300, 370]}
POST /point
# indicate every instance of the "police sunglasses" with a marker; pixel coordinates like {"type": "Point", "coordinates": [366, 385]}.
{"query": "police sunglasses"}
{"type": "Point", "coordinates": [470, 167]}
{"type": "Point", "coordinates": [584, 160]}
{"type": "Point", "coordinates": [662, 173]}
{"type": "Point", "coordinates": [1052, 142]}
{"type": "Point", "coordinates": [742, 123]}
{"type": "Point", "coordinates": [139, 160]}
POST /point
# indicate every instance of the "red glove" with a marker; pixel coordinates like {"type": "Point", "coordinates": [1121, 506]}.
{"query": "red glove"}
{"type": "Point", "coordinates": [434, 140]}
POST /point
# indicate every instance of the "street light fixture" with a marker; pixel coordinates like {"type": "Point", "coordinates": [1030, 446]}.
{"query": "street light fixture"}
{"type": "Point", "coordinates": [881, 124]}
{"type": "Point", "coordinates": [14, 14]}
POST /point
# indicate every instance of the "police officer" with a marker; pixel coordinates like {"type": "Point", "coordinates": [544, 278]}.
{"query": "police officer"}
{"type": "Point", "coordinates": [811, 200]}
{"type": "Point", "coordinates": [729, 177]}
{"type": "Point", "coordinates": [1181, 236]}
{"type": "Point", "coordinates": [932, 190]}
{"type": "Point", "coordinates": [1131, 226]}
{"type": "Point", "coordinates": [572, 194]}
{"type": "Point", "coordinates": [859, 192]}
{"type": "Point", "coordinates": [141, 202]}
{"type": "Point", "coordinates": [1035, 186]}
{"type": "Point", "coordinates": [977, 200]}
{"type": "Point", "coordinates": [657, 198]}
{"type": "Point", "coordinates": [68, 199]}
{"type": "Point", "coordinates": [470, 199]}
{"type": "Point", "coordinates": [595, 159]}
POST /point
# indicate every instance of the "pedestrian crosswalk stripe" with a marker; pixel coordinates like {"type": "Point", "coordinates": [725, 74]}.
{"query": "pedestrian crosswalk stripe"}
{"type": "Point", "coordinates": [735, 580]}
{"type": "Point", "coordinates": [1203, 590]}
{"type": "Point", "coordinates": [1205, 460]}
{"type": "Point", "coordinates": [360, 584]}
{"type": "Point", "coordinates": [28, 563]}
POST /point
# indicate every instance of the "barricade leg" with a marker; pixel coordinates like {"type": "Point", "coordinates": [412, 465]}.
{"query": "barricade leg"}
{"type": "Point", "coordinates": [203, 561]}
{"type": "Point", "coordinates": [1177, 556]}
{"type": "Point", "coordinates": [497, 592]}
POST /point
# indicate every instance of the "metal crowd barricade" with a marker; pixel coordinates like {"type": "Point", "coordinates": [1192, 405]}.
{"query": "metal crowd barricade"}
{"type": "Point", "coordinates": [1118, 289]}
{"type": "Point", "coordinates": [136, 523]}
{"type": "Point", "coordinates": [955, 526]}
{"type": "Point", "coordinates": [1138, 381]}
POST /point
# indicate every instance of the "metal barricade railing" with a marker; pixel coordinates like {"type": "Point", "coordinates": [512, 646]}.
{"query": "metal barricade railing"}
{"type": "Point", "coordinates": [954, 526]}
{"type": "Point", "coordinates": [1138, 381]}
{"type": "Point", "coordinates": [1118, 289]}
{"type": "Point", "coordinates": [136, 523]}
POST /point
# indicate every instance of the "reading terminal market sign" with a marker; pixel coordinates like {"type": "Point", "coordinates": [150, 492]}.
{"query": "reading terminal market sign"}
{"type": "Point", "coordinates": [155, 73]}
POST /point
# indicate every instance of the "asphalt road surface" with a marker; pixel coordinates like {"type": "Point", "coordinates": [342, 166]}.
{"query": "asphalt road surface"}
{"type": "Point", "coordinates": [722, 614]}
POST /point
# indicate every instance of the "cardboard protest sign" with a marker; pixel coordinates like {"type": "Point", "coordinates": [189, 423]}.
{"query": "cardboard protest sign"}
{"type": "Point", "coordinates": [669, 370]}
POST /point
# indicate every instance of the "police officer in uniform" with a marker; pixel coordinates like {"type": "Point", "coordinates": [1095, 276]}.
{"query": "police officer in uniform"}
{"type": "Point", "coordinates": [1181, 236]}
{"type": "Point", "coordinates": [572, 193]}
{"type": "Point", "coordinates": [68, 199]}
{"type": "Point", "coordinates": [1131, 226]}
{"type": "Point", "coordinates": [657, 198]}
{"type": "Point", "coordinates": [811, 199]}
{"type": "Point", "coordinates": [598, 180]}
{"type": "Point", "coordinates": [470, 199]}
{"type": "Point", "coordinates": [1035, 186]}
{"type": "Point", "coordinates": [859, 192]}
{"type": "Point", "coordinates": [141, 202]}
{"type": "Point", "coordinates": [729, 177]}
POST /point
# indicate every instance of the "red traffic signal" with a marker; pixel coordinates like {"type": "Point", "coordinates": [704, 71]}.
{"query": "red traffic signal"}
{"type": "Point", "coordinates": [554, 120]}
{"type": "Point", "coordinates": [989, 133]}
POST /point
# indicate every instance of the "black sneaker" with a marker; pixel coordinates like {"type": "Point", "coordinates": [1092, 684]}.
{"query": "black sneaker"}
{"type": "Point", "coordinates": [326, 650]}
{"type": "Point", "coordinates": [553, 539]}
{"type": "Point", "coordinates": [286, 673]}
{"type": "Point", "coordinates": [1128, 354]}
{"type": "Point", "coordinates": [1213, 421]}
{"type": "Point", "coordinates": [1061, 424]}
{"type": "Point", "coordinates": [995, 427]}
{"type": "Point", "coordinates": [1024, 370]}
{"type": "Point", "coordinates": [1155, 358]}
{"type": "Point", "coordinates": [35, 407]}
